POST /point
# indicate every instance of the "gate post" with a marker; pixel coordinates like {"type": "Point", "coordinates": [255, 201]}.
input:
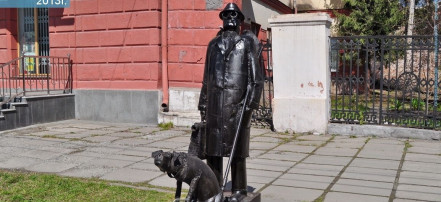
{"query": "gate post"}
{"type": "Point", "coordinates": [300, 45]}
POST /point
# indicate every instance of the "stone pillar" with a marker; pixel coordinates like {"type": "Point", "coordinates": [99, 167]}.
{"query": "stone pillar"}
{"type": "Point", "coordinates": [300, 45]}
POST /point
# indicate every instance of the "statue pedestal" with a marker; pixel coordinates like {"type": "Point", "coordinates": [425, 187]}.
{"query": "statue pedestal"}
{"type": "Point", "coordinates": [251, 197]}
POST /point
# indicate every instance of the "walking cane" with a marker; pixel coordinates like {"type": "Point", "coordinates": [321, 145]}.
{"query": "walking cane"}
{"type": "Point", "coordinates": [230, 159]}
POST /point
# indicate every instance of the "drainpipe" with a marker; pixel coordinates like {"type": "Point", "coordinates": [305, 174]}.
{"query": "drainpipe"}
{"type": "Point", "coordinates": [294, 4]}
{"type": "Point", "coordinates": [164, 44]}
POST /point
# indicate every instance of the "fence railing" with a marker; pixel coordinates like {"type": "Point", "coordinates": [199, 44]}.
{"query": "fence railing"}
{"type": "Point", "coordinates": [35, 75]}
{"type": "Point", "coordinates": [263, 115]}
{"type": "Point", "coordinates": [384, 80]}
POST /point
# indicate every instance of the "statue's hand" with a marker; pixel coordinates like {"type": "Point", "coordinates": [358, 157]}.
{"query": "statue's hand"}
{"type": "Point", "coordinates": [203, 115]}
{"type": "Point", "coordinates": [248, 109]}
{"type": "Point", "coordinates": [203, 111]}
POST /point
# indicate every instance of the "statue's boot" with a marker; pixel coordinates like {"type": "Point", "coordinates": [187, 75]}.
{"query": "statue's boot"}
{"type": "Point", "coordinates": [238, 196]}
{"type": "Point", "coordinates": [216, 165]}
{"type": "Point", "coordinates": [239, 179]}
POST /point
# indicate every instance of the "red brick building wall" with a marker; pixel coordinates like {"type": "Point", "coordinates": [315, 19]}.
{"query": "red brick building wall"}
{"type": "Point", "coordinates": [191, 27]}
{"type": "Point", "coordinates": [113, 45]}
{"type": "Point", "coordinates": [117, 44]}
{"type": "Point", "coordinates": [8, 35]}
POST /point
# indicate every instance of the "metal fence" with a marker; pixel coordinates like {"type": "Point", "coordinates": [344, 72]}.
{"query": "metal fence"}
{"type": "Point", "coordinates": [263, 115]}
{"type": "Point", "coordinates": [35, 75]}
{"type": "Point", "coordinates": [384, 80]}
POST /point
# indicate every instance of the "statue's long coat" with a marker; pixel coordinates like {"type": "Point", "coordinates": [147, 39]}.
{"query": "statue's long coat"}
{"type": "Point", "coordinates": [231, 65]}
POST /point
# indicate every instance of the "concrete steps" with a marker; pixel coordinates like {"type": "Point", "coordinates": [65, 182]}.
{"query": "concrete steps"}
{"type": "Point", "coordinates": [38, 109]}
{"type": "Point", "coordinates": [183, 107]}
{"type": "Point", "coordinates": [8, 117]}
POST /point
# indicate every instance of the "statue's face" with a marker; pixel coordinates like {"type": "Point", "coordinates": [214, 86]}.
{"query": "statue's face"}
{"type": "Point", "coordinates": [231, 20]}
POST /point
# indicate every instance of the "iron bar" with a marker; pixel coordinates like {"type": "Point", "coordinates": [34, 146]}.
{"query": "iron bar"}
{"type": "Point", "coordinates": [9, 76]}
{"type": "Point", "coordinates": [381, 82]}
{"type": "Point", "coordinates": [367, 83]}
{"type": "Point", "coordinates": [47, 83]}
{"type": "Point", "coordinates": [358, 81]}
{"type": "Point", "coordinates": [23, 73]}
{"type": "Point", "coordinates": [70, 80]}
{"type": "Point", "coordinates": [3, 84]}
{"type": "Point", "coordinates": [427, 82]}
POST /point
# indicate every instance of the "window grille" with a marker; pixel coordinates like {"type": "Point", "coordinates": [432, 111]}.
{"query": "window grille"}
{"type": "Point", "coordinates": [34, 39]}
{"type": "Point", "coordinates": [43, 38]}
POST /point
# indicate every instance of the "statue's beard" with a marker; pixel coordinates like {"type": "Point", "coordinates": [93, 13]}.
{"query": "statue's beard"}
{"type": "Point", "coordinates": [231, 24]}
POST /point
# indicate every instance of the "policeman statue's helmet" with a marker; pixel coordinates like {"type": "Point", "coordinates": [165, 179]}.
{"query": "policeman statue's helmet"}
{"type": "Point", "coordinates": [231, 10]}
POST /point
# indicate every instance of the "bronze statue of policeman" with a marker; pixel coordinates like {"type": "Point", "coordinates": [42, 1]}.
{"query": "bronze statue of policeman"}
{"type": "Point", "coordinates": [231, 67]}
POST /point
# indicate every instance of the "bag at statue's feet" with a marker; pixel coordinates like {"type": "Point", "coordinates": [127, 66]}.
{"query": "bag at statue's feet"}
{"type": "Point", "coordinates": [197, 140]}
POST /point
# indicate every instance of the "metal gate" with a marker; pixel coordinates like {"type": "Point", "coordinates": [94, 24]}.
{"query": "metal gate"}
{"type": "Point", "coordinates": [263, 115]}
{"type": "Point", "coordinates": [385, 80]}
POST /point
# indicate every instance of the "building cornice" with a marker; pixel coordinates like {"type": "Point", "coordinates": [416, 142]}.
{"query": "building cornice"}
{"type": "Point", "coordinates": [279, 6]}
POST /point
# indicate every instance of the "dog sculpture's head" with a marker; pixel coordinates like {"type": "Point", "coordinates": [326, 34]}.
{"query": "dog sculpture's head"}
{"type": "Point", "coordinates": [169, 162]}
{"type": "Point", "coordinates": [162, 160]}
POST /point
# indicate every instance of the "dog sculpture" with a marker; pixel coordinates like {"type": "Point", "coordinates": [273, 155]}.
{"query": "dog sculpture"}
{"type": "Point", "coordinates": [191, 170]}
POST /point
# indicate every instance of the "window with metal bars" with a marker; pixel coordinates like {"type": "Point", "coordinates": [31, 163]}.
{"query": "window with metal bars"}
{"type": "Point", "coordinates": [33, 34]}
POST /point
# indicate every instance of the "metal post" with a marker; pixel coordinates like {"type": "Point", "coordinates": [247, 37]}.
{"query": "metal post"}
{"type": "Point", "coordinates": [9, 81]}
{"type": "Point", "coordinates": [23, 72]}
{"type": "Point", "coordinates": [47, 74]}
{"type": "Point", "coordinates": [382, 46]}
{"type": "Point", "coordinates": [435, 33]}
{"type": "Point", "coordinates": [70, 76]}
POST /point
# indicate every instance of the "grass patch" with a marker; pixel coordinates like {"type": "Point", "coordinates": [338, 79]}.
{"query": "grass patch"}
{"type": "Point", "coordinates": [320, 199]}
{"type": "Point", "coordinates": [154, 131]}
{"type": "Point", "coordinates": [165, 126]}
{"type": "Point", "coordinates": [49, 136]}
{"type": "Point", "coordinates": [77, 151]}
{"type": "Point", "coordinates": [16, 186]}
{"type": "Point", "coordinates": [367, 140]}
{"type": "Point", "coordinates": [352, 136]}
{"type": "Point", "coordinates": [407, 145]}
{"type": "Point", "coordinates": [284, 140]}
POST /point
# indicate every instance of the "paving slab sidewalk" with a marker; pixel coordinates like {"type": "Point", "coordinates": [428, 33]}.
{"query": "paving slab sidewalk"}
{"type": "Point", "coordinates": [281, 166]}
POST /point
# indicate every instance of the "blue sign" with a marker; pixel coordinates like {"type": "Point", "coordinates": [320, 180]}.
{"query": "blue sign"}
{"type": "Point", "coordinates": [34, 3]}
